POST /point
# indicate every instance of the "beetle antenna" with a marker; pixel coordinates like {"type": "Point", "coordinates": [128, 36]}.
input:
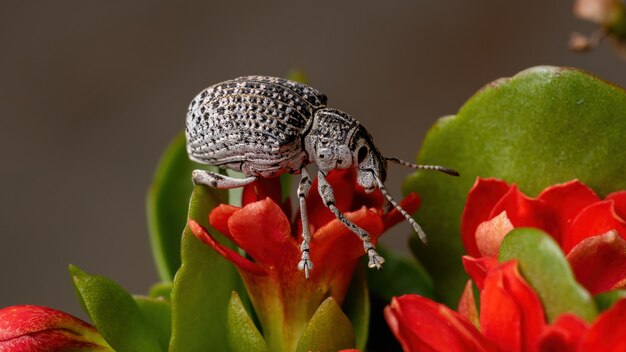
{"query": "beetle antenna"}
{"type": "Point", "coordinates": [408, 217]}
{"type": "Point", "coordinates": [423, 167]}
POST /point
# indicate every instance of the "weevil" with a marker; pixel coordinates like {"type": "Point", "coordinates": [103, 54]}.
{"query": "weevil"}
{"type": "Point", "coordinates": [266, 126]}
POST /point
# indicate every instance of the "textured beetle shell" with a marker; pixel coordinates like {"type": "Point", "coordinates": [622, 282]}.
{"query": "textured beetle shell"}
{"type": "Point", "coordinates": [252, 124]}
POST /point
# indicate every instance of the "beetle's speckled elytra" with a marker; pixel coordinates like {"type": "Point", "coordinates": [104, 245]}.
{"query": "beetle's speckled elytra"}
{"type": "Point", "coordinates": [267, 126]}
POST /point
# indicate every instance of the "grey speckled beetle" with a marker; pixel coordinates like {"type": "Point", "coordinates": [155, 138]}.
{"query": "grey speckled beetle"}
{"type": "Point", "coordinates": [266, 126]}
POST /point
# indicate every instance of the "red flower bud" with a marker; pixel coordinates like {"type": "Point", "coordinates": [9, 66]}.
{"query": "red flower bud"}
{"type": "Point", "coordinates": [30, 328]}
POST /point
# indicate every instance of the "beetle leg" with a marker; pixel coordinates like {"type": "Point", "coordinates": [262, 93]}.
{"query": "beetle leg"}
{"type": "Point", "coordinates": [303, 189]}
{"type": "Point", "coordinates": [326, 192]}
{"type": "Point", "coordinates": [215, 180]}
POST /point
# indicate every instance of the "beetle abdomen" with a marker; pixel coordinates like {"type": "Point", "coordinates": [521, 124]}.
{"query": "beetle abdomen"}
{"type": "Point", "coordinates": [252, 124]}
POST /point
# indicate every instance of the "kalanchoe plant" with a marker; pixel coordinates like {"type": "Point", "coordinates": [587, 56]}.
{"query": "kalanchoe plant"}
{"type": "Point", "coordinates": [284, 300]}
{"type": "Point", "coordinates": [231, 283]}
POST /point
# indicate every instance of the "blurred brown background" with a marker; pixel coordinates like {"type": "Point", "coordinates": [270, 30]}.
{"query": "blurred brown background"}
{"type": "Point", "coordinates": [92, 91]}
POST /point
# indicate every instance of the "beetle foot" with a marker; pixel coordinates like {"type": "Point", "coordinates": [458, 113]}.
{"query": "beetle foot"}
{"type": "Point", "coordinates": [306, 265]}
{"type": "Point", "coordinates": [376, 261]}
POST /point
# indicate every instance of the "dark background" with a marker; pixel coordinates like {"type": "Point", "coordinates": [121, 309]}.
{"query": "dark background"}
{"type": "Point", "coordinates": [92, 91]}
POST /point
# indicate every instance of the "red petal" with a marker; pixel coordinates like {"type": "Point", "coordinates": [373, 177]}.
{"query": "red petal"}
{"type": "Point", "coordinates": [608, 332]}
{"type": "Point", "coordinates": [467, 305]}
{"type": "Point", "coordinates": [36, 328]}
{"type": "Point", "coordinates": [619, 198]}
{"type": "Point", "coordinates": [269, 187]}
{"type": "Point", "coordinates": [490, 234]}
{"type": "Point", "coordinates": [568, 199]}
{"type": "Point", "coordinates": [219, 217]}
{"type": "Point", "coordinates": [248, 195]}
{"type": "Point", "coordinates": [264, 188]}
{"type": "Point", "coordinates": [481, 200]}
{"type": "Point", "coordinates": [335, 249]}
{"type": "Point", "coordinates": [599, 262]}
{"type": "Point", "coordinates": [410, 204]}
{"type": "Point", "coordinates": [511, 314]}
{"type": "Point", "coordinates": [263, 231]}
{"type": "Point", "coordinates": [523, 211]}
{"type": "Point", "coordinates": [335, 236]}
{"type": "Point", "coordinates": [230, 255]}
{"type": "Point", "coordinates": [595, 219]}
{"type": "Point", "coordinates": [564, 336]}
{"type": "Point", "coordinates": [420, 324]}
{"type": "Point", "coordinates": [477, 268]}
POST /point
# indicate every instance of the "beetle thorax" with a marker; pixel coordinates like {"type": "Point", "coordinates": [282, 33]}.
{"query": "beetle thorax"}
{"type": "Point", "coordinates": [328, 140]}
{"type": "Point", "coordinates": [338, 141]}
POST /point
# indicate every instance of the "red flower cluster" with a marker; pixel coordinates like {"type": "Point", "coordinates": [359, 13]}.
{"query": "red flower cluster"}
{"type": "Point", "coordinates": [590, 230]}
{"type": "Point", "coordinates": [511, 318]}
{"type": "Point", "coordinates": [283, 299]}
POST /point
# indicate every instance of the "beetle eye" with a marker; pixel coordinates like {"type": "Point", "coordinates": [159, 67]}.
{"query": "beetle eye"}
{"type": "Point", "coordinates": [362, 154]}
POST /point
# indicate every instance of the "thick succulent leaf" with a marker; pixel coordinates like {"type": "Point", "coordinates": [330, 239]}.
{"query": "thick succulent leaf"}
{"type": "Point", "coordinates": [357, 306]}
{"type": "Point", "coordinates": [114, 312]}
{"type": "Point", "coordinates": [328, 330]}
{"type": "Point", "coordinates": [166, 206]}
{"type": "Point", "coordinates": [162, 290]}
{"type": "Point", "coordinates": [605, 300]}
{"type": "Point", "coordinates": [545, 125]}
{"type": "Point", "coordinates": [243, 335]}
{"type": "Point", "coordinates": [544, 266]}
{"type": "Point", "coordinates": [203, 284]}
{"type": "Point", "coordinates": [158, 313]}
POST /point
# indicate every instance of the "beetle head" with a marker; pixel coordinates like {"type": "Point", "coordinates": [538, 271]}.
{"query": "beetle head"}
{"type": "Point", "coordinates": [328, 141]}
{"type": "Point", "coordinates": [369, 162]}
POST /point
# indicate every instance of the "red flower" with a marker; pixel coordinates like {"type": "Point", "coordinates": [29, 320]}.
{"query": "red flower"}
{"type": "Point", "coordinates": [590, 230]}
{"type": "Point", "coordinates": [39, 329]}
{"type": "Point", "coordinates": [283, 299]}
{"type": "Point", "coordinates": [511, 319]}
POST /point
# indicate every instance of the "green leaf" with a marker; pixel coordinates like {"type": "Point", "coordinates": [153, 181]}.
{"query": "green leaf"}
{"type": "Point", "coordinates": [399, 276]}
{"type": "Point", "coordinates": [357, 305]}
{"type": "Point", "coordinates": [161, 290]}
{"type": "Point", "coordinates": [545, 125]}
{"type": "Point", "coordinates": [328, 330]}
{"type": "Point", "coordinates": [158, 313]}
{"type": "Point", "coordinates": [114, 312]}
{"type": "Point", "coordinates": [243, 335]}
{"type": "Point", "coordinates": [166, 206]}
{"type": "Point", "coordinates": [546, 269]}
{"type": "Point", "coordinates": [605, 300]}
{"type": "Point", "coordinates": [203, 284]}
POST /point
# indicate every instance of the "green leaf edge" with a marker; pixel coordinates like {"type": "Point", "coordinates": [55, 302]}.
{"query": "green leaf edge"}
{"type": "Point", "coordinates": [243, 335]}
{"type": "Point", "coordinates": [201, 266]}
{"type": "Point", "coordinates": [114, 312]}
{"type": "Point", "coordinates": [165, 251]}
{"type": "Point", "coordinates": [328, 330]}
{"type": "Point", "coordinates": [158, 313]}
